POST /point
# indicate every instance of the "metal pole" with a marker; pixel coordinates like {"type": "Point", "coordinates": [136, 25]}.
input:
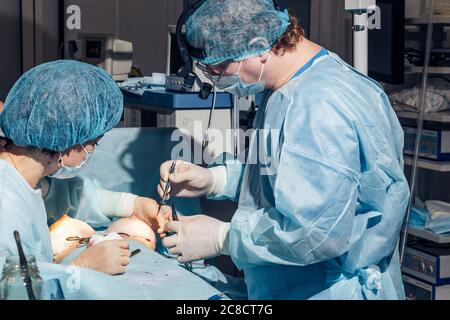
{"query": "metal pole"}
{"type": "Point", "coordinates": [361, 42]}
{"type": "Point", "coordinates": [423, 95]}
{"type": "Point", "coordinates": [236, 126]}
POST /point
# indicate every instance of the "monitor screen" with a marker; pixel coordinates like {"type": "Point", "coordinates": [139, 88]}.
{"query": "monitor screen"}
{"type": "Point", "coordinates": [302, 10]}
{"type": "Point", "coordinates": [387, 44]}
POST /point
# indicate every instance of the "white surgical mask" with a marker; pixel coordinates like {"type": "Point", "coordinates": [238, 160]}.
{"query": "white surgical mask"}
{"type": "Point", "coordinates": [234, 84]}
{"type": "Point", "coordinates": [66, 172]}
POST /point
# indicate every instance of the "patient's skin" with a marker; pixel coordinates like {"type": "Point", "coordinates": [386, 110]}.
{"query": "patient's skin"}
{"type": "Point", "coordinates": [134, 229]}
{"type": "Point", "coordinates": [127, 228]}
{"type": "Point", "coordinates": [64, 228]}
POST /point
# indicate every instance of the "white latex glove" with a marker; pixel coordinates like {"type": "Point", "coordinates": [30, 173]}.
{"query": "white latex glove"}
{"type": "Point", "coordinates": [109, 257]}
{"type": "Point", "coordinates": [153, 214]}
{"type": "Point", "coordinates": [125, 205]}
{"type": "Point", "coordinates": [197, 237]}
{"type": "Point", "coordinates": [190, 180]}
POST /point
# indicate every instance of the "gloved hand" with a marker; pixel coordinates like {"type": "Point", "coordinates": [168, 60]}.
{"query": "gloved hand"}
{"type": "Point", "coordinates": [109, 257]}
{"type": "Point", "coordinates": [188, 180]}
{"type": "Point", "coordinates": [153, 214]}
{"type": "Point", "coordinates": [197, 237]}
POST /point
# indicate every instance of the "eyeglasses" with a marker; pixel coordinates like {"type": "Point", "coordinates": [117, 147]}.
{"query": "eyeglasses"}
{"type": "Point", "coordinates": [214, 72]}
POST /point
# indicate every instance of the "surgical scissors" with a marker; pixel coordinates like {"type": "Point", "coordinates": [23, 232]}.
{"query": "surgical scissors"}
{"type": "Point", "coordinates": [81, 241]}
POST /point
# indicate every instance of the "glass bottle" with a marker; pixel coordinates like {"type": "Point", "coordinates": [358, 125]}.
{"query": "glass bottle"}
{"type": "Point", "coordinates": [12, 282]}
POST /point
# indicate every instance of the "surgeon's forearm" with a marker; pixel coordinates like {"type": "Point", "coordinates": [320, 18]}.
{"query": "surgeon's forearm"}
{"type": "Point", "coordinates": [219, 180]}
{"type": "Point", "coordinates": [228, 180]}
{"type": "Point", "coordinates": [116, 204]}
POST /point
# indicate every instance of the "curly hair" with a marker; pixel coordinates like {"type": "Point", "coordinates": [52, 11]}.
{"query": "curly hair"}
{"type": "Point", "coordinates": [290, 39]}
{"type": "Point", "coordinates": [5, 142]}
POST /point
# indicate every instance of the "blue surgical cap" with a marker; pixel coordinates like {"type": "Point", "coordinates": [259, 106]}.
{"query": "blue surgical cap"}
{"type": "Point", "coordinates": [60, 104]}
{"type": "Point", "coordinates": [235, 29]}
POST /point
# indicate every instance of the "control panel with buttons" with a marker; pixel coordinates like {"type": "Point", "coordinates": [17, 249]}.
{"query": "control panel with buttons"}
{"type": "Point", "coordinates": [428, 263]}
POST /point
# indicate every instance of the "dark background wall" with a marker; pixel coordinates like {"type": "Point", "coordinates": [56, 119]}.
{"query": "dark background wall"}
{"type": "Point", "coordinates": [10, 52]}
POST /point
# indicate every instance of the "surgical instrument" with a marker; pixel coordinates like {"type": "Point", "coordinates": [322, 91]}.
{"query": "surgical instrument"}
{"type": "Point", "coordinates": [135, 252]}
{"type": "Point", "coordinates": [168, 185]}
{"type": "Point", "coordinates": [24, 267]}
{"type": "Point", "coordinates": [188, 266]}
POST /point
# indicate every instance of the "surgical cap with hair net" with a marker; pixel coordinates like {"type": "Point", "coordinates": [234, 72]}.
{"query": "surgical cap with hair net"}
{"type": "Point", "coordinates": [235, 29]}
{"type": "Point", "coordinates": [60, 104]}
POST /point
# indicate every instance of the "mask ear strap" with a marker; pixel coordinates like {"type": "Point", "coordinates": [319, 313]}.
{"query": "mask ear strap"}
{"type": "Point", "coordinates": [84, 149]}
{"type": "Point", "coordinates": [240, 66]}
{"type": "Point", "coordinates": [262, 72]}
{"type": "Point", "coordinates": [262, 69]}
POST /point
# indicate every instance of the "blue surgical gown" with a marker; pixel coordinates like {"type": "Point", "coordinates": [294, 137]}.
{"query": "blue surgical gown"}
{"type": "Point", "coordinates": [322, 193]}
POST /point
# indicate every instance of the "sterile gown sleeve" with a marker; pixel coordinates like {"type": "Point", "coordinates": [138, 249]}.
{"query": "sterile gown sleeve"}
{"type": "Point", "coordinates": [235, 168]}
{"type": "Point", "coordinates": [315, 191]}
{"type": "Point", "coordinates": [86, 200]}
{"type": "Point", "coordinates": [235, 172]}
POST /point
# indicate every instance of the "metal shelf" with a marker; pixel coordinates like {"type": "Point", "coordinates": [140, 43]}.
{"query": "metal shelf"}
{"type": "Point", "coordinates": [437, 20]}
{"type": "Point", "coordinates": [429, 235]}
{"type": "Point", "coordinates": [443, 117]}
{"type": "Point", "coordinates": [440, 166]}
{"type": "Point", "coordinates": [432, 70]}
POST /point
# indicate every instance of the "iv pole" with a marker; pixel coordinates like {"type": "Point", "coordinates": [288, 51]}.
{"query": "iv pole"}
{"type": "Point", "coordinates": [360, 10]}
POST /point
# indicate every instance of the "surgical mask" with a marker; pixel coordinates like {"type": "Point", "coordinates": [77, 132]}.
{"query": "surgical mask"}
{"type": "Point", "coordinates": [66, 172]}
{"type": "Point", "coordinates": [234, 84]}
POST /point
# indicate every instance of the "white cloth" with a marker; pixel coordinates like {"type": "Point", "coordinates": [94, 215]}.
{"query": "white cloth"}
{"type": "Point", "coordinates": [435, 101]}
{"type": "Point", "coordinates": [438, 209]}
{"type": "Point", "coordinates": [22, 209]}
{"type": "Point", "coordinates": [99, 238]}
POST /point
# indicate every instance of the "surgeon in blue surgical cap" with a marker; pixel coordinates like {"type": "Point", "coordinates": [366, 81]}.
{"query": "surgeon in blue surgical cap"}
{"type": "Point", "coordinates": [321, 193]}
{"type": "Point", "coordinates": [52, 120]}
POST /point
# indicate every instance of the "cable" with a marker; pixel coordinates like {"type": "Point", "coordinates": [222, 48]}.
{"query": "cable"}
{"type": "Point", "coordinates": [441, 77]}
{"type": "Point", "coordinates": [60, 54]}
{"type": "Point", "coordinates": [206, 136]}
{"type": "Point", "coordinates": [414, 56]}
